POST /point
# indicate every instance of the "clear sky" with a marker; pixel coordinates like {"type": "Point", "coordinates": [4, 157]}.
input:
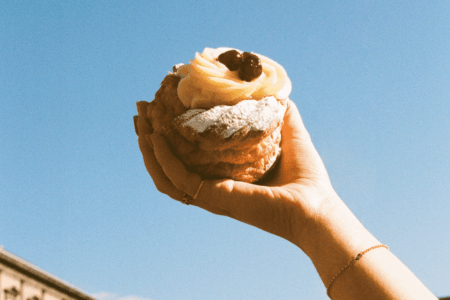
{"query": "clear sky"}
{"type": "Point", "coordinates": [371, 80]}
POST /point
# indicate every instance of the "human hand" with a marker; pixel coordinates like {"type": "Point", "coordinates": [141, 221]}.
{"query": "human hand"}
{"type": "Point", "coordinates": [296, 202]}
{"type": "Point", "coordinates": [284, 203]}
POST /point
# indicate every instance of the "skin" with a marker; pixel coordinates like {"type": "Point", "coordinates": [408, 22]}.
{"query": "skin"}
{"type": "Point", "coordinates": [298, 203]}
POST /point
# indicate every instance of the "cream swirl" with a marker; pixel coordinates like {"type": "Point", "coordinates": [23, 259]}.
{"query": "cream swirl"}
{"type": "Point", "coordinates": [206, 82]}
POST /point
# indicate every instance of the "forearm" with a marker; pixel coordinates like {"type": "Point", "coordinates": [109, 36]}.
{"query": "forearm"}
{"type": "Point", "coordinates": [335, 238]}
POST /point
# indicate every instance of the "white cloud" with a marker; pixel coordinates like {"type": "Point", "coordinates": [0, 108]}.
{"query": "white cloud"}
{"type": "Point", "coordinates": [103, 296]}
{"type": "Point", "coordinates": [109, 296]}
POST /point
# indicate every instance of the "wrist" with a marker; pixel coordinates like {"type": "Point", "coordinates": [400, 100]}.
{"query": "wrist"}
{"type": "Point", "coordinates": [333, 237]}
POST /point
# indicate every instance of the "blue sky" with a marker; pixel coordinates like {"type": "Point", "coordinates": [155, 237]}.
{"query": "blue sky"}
{"type": "Point", "coordinates": [371, 80]}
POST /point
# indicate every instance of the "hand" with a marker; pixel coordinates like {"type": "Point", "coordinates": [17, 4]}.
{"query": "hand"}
{"type": "Point", "coordinates": [298, 203]}
{"type": "Point", "coordinates": [283, 204]}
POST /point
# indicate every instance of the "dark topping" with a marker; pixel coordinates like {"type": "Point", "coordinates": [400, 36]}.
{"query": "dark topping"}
{"type": "Point", "coordinates": [248, 65]}
{"type": "Point", "coordinates": [231, 59]}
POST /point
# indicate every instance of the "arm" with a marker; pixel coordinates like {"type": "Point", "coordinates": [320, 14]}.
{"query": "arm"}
{"type": "Point", "coordinates": [379, 274]}
{"type": "Point", "coordinates": [297, 203]}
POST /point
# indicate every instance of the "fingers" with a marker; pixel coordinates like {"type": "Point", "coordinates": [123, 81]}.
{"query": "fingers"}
{"type": "Point", "coordinates": [225, 197]}
{"type": "Point", "coordinates": [173, 168]}
{"type": "Point", "coordinates": [141, 126]}
{"type": "Point", "coordinates": [162, 183]}
{"type": "Point", "coordinates": [142, 108]}
{"type": "Point", "coordinates": [259, 206]}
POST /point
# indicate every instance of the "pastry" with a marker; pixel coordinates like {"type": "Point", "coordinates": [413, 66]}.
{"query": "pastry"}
{"type": "Point", "coordinates": [222, 114]}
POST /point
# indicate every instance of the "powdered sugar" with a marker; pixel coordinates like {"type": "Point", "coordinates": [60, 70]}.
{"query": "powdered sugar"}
{"type": "Point", "coordinates": [257, 115]}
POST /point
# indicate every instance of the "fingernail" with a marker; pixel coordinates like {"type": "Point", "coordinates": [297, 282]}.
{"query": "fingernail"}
{"type": "Point", "coordinates": [135, 118]}
{"type": "Point", "coordinates": [142, 108]}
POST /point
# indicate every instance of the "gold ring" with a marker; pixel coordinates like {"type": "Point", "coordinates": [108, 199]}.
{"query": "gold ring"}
{"type": "Point", "coordinates": [187, 199]}
{"type": "Point", "coordinates": [198, 190]}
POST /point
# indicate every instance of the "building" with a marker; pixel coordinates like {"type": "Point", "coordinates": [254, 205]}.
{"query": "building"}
{"type": "Point", "coordinates": [20, 280]}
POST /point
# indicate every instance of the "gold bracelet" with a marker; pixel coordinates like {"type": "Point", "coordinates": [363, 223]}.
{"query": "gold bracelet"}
{"type": "Point", "coordinates": [350, 262]}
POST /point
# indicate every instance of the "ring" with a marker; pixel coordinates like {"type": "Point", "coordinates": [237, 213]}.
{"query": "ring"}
{"type": "Point", "coordinates": [186, 199]}
{"type": "Point", "coordinates": [198, 190]}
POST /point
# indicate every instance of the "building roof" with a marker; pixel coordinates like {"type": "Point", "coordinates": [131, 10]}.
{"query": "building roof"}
{"type": "Point", "coordinates": [10, 260]}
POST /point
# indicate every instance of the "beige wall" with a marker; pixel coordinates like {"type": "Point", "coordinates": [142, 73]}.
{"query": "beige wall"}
{"type": "Point", "coordinates": [7, 281]}
{"type": "Point", "coordinates": [27, 287]}
{"type": "Point", "coordinates": [30, 290]}
{"type": "Point", "coordinates": [33, 283]}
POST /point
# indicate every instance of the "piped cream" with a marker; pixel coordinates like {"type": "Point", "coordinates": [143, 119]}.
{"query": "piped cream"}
{"type": "Point", "coordinates": [206, 82]}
